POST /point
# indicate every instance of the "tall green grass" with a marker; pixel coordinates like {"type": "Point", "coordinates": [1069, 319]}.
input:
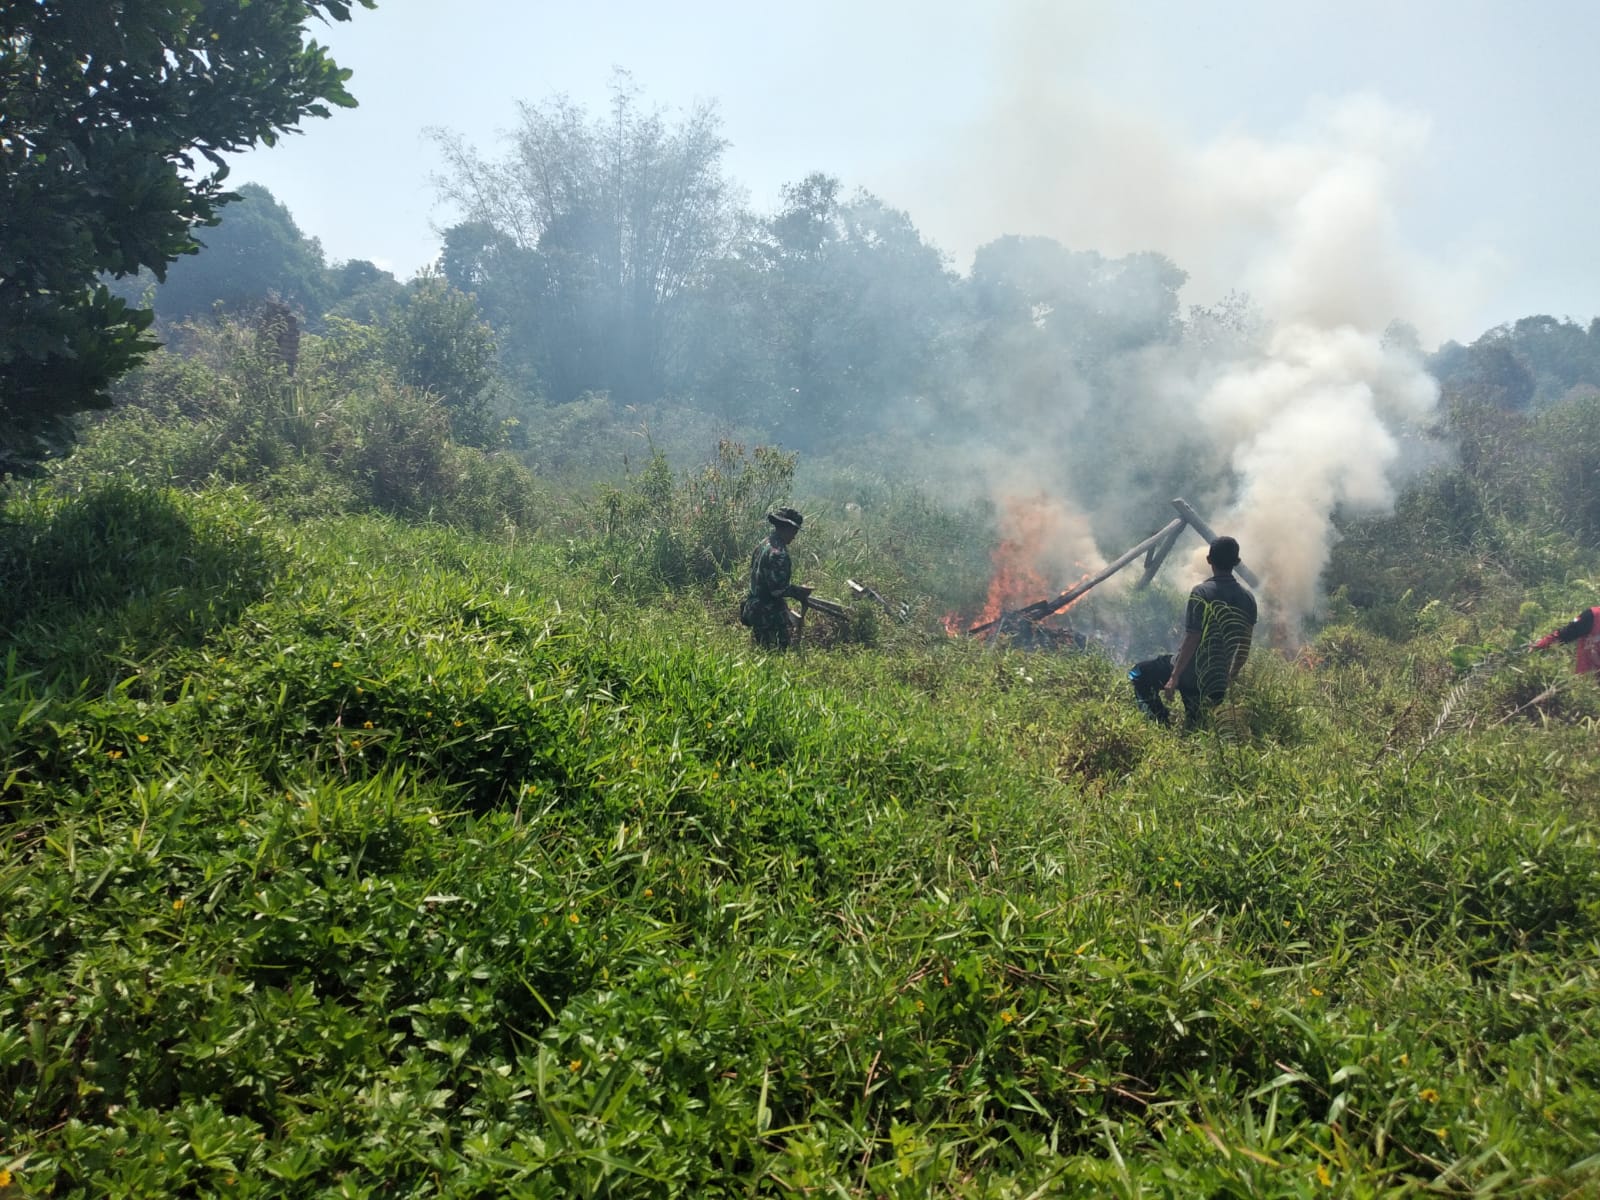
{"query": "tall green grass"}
{"type": "Point", "coordinates": [353, 858]}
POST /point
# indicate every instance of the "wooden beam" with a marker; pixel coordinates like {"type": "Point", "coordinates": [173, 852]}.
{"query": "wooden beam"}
{"type": "Point", "coordinates": [1043, 608]}
{"type": "Point", "coordinates": [1205, 531]}
{"type": "Point", "coordinates": [1156, 556]}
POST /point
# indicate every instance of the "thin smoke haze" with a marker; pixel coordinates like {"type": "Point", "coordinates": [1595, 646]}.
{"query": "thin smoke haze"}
{"type": "Point", "coordinates": [1303, 415]}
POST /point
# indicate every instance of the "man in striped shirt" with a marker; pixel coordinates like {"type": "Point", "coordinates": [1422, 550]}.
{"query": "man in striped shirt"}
{"type": "Point", "coordinates": [1219, 622]}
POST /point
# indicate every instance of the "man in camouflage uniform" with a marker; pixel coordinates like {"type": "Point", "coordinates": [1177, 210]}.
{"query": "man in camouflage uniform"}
{"type": "Point", "coordinates": [764, 608]}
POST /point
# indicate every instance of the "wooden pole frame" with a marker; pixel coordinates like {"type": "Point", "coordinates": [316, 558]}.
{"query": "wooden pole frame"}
{"type": "Point", "coordinates": [1205, 531]}
{"type": "Point", "coordinates": [1155, 549]}
{"type": "Point", "coordinates": [1043, 608]}
{"type": "Point", "coordinates": [1155, 558]}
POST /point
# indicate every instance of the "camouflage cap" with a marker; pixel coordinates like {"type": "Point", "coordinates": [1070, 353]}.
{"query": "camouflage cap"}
{"type": "Point", "coordinates": [786, 516]}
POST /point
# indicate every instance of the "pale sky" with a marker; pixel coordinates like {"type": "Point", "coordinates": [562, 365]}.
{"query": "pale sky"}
{"type": "Point", "coordinates": [1089, 122]}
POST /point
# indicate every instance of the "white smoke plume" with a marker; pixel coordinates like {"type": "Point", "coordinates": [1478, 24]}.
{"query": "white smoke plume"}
{"type": "Point", "coordinates": [1311, 425]}
{"type": "Point", "coordinates": [1305, 419]}
{"type": "Point", "coordinates": [1311, 417]}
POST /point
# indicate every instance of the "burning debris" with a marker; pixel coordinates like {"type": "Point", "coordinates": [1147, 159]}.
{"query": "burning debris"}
{"type": "Point", "coordinates": [1041, 541]}
{"type": "Point", "coordinates": [1025, 634]}
{"type": "Point", "coordinates": [1024, 626]}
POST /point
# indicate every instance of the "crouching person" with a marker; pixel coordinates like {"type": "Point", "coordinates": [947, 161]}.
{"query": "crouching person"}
{"type": "Point", "coordinates": [1584, 629]}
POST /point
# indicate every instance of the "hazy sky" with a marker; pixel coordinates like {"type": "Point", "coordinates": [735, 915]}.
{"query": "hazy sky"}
{"type": "Point", "coordinates": [1086, 122]}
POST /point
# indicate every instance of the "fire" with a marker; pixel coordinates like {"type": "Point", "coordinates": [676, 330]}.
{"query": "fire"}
{"type": "Point", "coordinates": [1034, 532]}
{"type": "Point", "coordinates": [1016, 581]}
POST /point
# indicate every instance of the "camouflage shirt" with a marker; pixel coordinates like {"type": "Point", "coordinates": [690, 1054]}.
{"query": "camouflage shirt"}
{"type": "Point", "coordinates": [769, 585]}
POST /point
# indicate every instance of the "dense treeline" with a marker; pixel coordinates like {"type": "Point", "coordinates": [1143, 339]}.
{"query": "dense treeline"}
{"type": "Point", "coordinates": [604, 278]}
{"type": "Point", "coordinates": [609, 257]}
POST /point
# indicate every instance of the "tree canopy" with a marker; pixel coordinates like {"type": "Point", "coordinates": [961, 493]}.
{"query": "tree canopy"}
{"type": "Point", "coordinates": [254, 251]}
{"type": "Point", "coordinates": [825, 318]}
{"type": "Point", "coordinates": [114, 116]}
{"type": "Point", "coordinates": [1527, 364]}
{"type": "Point", "coordinates": [590, 234]}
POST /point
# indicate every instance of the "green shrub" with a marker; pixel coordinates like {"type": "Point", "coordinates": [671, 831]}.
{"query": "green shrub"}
{"type": "Point", "coordinates": [417, 862]}
{"type": "Point", "coordinates": [672, 530]}
{"type": "Point", "coordinates": [123, 572]}
{"type": "Point", "coordinates": [341, 435]}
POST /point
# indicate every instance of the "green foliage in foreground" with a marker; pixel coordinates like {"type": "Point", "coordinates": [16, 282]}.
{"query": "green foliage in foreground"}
{"type": "Point", "coordinates": [109, 111]}
{"type": "Point", "coordinates": [411, 865]}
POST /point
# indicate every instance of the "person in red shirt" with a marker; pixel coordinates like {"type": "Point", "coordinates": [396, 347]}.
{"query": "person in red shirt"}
{"type": "Point", "coordinates": [1583, 629]}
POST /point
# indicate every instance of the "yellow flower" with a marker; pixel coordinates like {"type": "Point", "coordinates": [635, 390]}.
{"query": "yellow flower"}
{"type": "Point", "coordinates": [144, 737]}
{"type": "Point", "coordinates": [366, 724]}
{"type": "Point", "coordinates": [429, 713]}
{"type": "Point", "coordinates": [572, 917]}
{"type": "Point", "coordinates": [1428, 1094]}
{"type": "Point", "coordinates": [576, 1064]}
{"type": "Point", "coordinates": [921, 1006]}
{"type": "Point", "coordinates": [338, 664]}
{"type": "Point", "coordinates": [457, 724]}
{"type": "Point", "coordinates": [355, 743]}
{"type": "Point", "coordinates": [1316, 991]}
{"type": "Point", "coordinates": [1441, 1134]}
{"type": "Point", "coordinates": [113, 754]}
{"type": "Point", "coordinates": [5, 1178]}
{"type": "Point", "coordinates": [1323, 1177]}
{"type": "Point", "coordinates": [177, 905]}
{"type": "Point", "coordinates": [648, 892]}
{"type": "Point", "coordinates": [1008, 1016]}
{"type": "Point", "coordinates": [1405, 1060]}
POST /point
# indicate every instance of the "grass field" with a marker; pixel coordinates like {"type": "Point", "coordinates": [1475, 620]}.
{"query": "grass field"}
{"type": "Point", "coordinates": [358, 858]}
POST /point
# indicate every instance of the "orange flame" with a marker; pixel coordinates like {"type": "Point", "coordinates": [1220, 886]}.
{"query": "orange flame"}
{"type": "Point", "coordinates": [1031, 527]}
